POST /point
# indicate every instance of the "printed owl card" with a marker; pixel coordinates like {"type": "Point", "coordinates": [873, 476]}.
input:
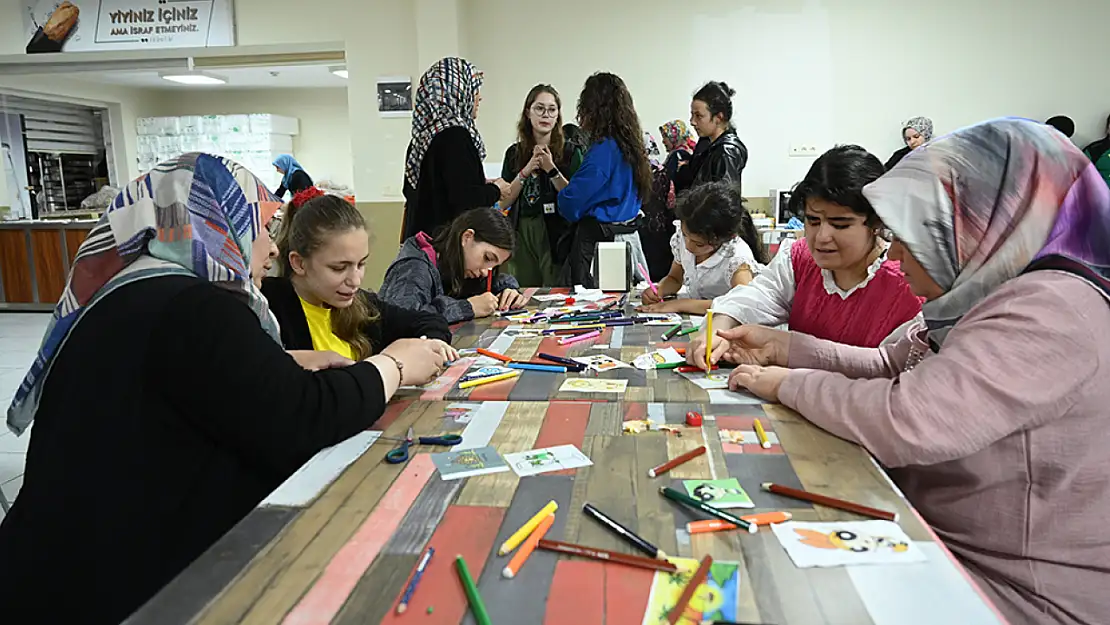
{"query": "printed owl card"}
{"type": "Point", "coordinates": [716, 599]}
{"type": "Point", "coordinates": [846, 543]}
{"type": "Point", "coordinates": [719, 493]}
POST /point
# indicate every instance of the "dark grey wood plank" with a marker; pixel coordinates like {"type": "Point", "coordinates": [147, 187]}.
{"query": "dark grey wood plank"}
{"type": "Point", "coordinates": [536, 386]}
{"type": "Point", "coordinates": [377, 590]}
{"type": "Point", "coordinates": [420, 521]}
{"type": "Point", "coordinates": [523, 599]}
{"type": "Point", "coordinates": [606, 419]}
{"type": "Point", "coordinates": [754, 469]}
{"type": "Point", "coordinates": [208, 575]}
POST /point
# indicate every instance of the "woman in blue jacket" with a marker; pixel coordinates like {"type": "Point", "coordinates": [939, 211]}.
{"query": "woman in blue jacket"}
{"type": "Point", "coordinates": [603, 198]}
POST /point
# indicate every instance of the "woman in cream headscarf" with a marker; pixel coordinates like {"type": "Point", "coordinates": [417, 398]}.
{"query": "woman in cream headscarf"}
{"type": "Point", "coordinates": [915, 132]}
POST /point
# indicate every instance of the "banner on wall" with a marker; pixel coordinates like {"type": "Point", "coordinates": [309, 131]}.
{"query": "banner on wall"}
{"type": "Point", "coordinates": [100, 25]}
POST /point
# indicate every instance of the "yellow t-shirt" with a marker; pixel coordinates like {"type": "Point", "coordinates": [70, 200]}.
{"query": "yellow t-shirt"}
{"type": "Point", "coordinates": [319, 326]}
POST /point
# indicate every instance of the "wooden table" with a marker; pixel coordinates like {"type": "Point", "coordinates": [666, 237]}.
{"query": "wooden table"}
{"type": "Point", "coordinates": [346, 557]}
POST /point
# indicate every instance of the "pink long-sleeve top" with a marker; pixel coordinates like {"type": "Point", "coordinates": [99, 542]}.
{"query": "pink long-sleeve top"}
{"type": "Point", "coordinates": [1001, 439]}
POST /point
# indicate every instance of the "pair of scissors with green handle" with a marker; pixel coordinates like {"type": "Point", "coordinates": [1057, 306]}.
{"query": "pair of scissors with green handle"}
{"type": "Point", "coordinates": [401, 453]}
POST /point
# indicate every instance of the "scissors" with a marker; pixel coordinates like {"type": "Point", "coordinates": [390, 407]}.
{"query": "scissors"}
{"type": "Point", "coordinates": [401, 453]}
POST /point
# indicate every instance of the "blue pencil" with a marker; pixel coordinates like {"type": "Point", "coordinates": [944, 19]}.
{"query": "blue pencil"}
{"type": "Point", "coordinates": [401, 607]}
{"type": "Point", "coordinates": [527, 366]}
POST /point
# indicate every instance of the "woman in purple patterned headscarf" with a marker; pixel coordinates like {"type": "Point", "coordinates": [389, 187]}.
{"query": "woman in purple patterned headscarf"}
{"type": "Point", "coordinates": [993, 419]}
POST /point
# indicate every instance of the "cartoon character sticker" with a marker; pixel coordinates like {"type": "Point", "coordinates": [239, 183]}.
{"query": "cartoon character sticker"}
{"type": "Point", "coordinates": [846, 543]}
{"type": "Point", "coordinates": [850, 541]}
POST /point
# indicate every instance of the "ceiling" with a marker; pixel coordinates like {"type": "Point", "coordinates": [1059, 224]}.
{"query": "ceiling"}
{"type": "Point", "coordinates": [288, 77]}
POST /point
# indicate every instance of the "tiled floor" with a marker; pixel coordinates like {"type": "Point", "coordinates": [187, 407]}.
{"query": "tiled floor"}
{"type": "Point", "coordinates": [20, 335]}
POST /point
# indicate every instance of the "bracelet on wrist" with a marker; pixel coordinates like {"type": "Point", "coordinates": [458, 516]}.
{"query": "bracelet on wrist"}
{"type": "Point", "coordinates": [400, 366]}
{"type": "Point", "coordinates": [554, 173]}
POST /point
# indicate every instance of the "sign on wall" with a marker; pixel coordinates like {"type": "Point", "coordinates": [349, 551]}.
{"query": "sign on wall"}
{"type": "Point", "coordinates": [100, 25]}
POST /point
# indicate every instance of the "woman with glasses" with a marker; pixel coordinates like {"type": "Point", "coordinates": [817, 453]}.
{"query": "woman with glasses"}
{"type": "Point", "coordinates": [539, 165]}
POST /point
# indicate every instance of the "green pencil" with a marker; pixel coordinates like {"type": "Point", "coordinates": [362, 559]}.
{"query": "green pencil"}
{"type": "Point", "coordinates": [688, 331]}
{"type": "Point", "coordinates": [670, 333]}
{"type": "Point", "coordinates": [683, 498]}
{"type": "Point", "coordinates": [669, 365]}
{"type": "Point", "coordinates": [476, 605]}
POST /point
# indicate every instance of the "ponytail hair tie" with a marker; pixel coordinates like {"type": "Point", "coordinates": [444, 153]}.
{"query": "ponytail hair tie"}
{"type": "Point", "coordinates": [304, 195]}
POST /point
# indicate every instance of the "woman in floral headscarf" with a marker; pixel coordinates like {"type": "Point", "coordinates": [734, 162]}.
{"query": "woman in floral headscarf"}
{"type": "Point", "coordinates": [916, 132]}
{"type": "Point", "coordinates": [679, 143]}
{"type": "Point", "coordinates": [443, 167]}
{"type": "Point", "coordinates": [993, 418]}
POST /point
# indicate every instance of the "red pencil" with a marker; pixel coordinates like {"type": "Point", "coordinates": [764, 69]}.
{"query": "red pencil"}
{"type": "Point", "coordinates": [831, 502]}
{"type": "Point", "coordinates": [494, 355]}
{"type": "Point", "coordinates": [608, 556]}
{"type": "Point", "coordinates": [489, 281]}
{"type": "Point", "coordinates": [670, 464]}
{"type": "Point", "coordinates": [688, 593]}
{"type": "Point", "coordinates": [693, 368]}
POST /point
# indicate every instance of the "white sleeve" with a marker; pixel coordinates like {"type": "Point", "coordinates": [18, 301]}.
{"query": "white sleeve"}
{"type": "Point", "coordinates": [766, 300]}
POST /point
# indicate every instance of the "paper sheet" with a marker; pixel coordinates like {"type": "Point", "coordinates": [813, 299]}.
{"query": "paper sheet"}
{"type": "Point", "coordinates": [846, 543]}
{"type": "Point", "coordinates": [719, 493]}
{"type": "Point", "coordinates": [593, 385]}
{"type": "Point", "coordinates": [322, 469]}
{"type": "Point", "coordinates": [538, 461]}
{"type": "Point", "coordinates": [712, 380]}
{"type": "Point", "coordinates": [716, 599]}
{"type": "Point", "coordinates": [551, 297]}
{"type": "Point", "coordinates": [658, 357]}
{"type": "Point", "coordinates": [663, 319]}
{"type": "Point", "coordinates": [721, 396]}
{"type": "Point", "coordinates": [601, 362]}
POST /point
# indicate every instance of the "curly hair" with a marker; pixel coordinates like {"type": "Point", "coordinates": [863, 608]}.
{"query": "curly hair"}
{"type": "Point", "coordinates": [605, 109]}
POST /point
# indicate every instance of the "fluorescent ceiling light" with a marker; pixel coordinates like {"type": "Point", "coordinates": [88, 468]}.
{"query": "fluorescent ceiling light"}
{"type": "Point", "coordinates": [194, 78]}
{"type": "Point", "coordinates": [339, 71]}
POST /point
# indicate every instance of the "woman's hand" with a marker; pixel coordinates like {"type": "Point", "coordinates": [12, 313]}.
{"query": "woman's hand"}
{"type": "Point", "coordinates": [756, 345]}
{"type": "Point", "coordinates": [762, 381]}
{"type": "Point", "coordinates": [695, 351]}
{"type": "Point", "coordinates": [503, 187]}
{"type": "Point", "coordinates": [672, 306]}
{"type": "Point", "coordinates": [531, 166]}
{"type": "Point", "coordinates": [450, 354]}
{"type": "Point", "coordinates": [483, 304]}
{"type": "Point", "coordinates": [422, 360]}
{"type": "Point", "coordinates": [547, 163]}
{"type": "Point", "coordinates": [509, 299]}
{"type": "Point", "coordinates": [318, 361]}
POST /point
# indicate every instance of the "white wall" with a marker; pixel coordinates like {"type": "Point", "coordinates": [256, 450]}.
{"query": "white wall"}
{"type": "Point", "coordinates": [806, 72]}
{"type": "Point", "coordinates": [323, 146]}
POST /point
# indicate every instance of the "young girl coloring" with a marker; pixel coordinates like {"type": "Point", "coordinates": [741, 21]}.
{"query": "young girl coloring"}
{"type": "Point", "coordinates": [716, 247]}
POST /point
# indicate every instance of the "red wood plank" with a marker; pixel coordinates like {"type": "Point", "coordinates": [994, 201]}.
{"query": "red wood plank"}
{"type": "Point", "coordinates": [564, 424]}
{"type": "Point", "coordinates": [392, 411]}
{"type": "Point", "coordinates": [626, 594]}
{"type": "Point", "coordinates": [635, 411]}
{"type": "Point", "coordinates": [577, 594]}
{"type": "Point", "coordinates": [494, 391]}
{"type": "Point", "coordinates": [448, 380]}
{"type": "Point", "coordinates": [468, 531]}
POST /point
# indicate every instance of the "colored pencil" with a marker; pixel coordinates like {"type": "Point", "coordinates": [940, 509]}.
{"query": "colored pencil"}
{"type": "Point", "coordinates": [559, 359]}
{"type": "Point", "coordinates": [716, 525]}
{"type": "Point", "coordinates": [698, 504]}
{"type": "Point", "coordinates": [494, 355]}
{"type": "Point", "coordinates": [510, 313]}
{"type": "Point", "coordinates": [488, 380]}
{"type": "Point", "coordinates": [688, 593]}
{"type": "Point", "coordinates": [618, 322]}
{"type": "Point", "coordinates": [670, 464]}
{"type": "Point", "coordinates": [489, 281]}
{"type": "Point", "coordinates": [761, 434]}
{"type": "Point", "coordinates": [647, 277]}
{"type": "Point", "coordinates": [628, 535]}
{"type": "Point", "coordinates": [830, 502]}
{"type": "Point", "coordinates": [512, 542]}
{"type": "Point", "coordinates": [608, 556]}
{"type": "Point", "coordinates": [477, 606]}
{"type": "Point", "coordinates": [521, 556]}
{"type": "Point", "coordinates": [588, 326]}
{"type": "Point", "coordinates": [675, 329]}
{"type": "Point", "coordinates": [527, 366]}
{"type": "Point", "coordinates": [581, 337]}
{"type": "Point", "coordinates": [668, 365]}
{"type": "Point", "coordinates": [695, 368]}
{"type": "Point", "coordinates": [708, 340]}
{"type": "Point", "coordinates": [688, 331]}
{"type": "Point", "coordinates": [404, 605]}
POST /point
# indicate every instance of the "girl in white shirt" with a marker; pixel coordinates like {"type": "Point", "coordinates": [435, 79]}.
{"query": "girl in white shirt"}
{"type": "Point", "coordinates": [716, 247]}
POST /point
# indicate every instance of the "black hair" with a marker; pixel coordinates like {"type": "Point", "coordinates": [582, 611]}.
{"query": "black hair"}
{"type": "Point", "coordinates": [1063, 123]}
{"type": "Point", "coordinates": [489, 226]}
{"type": "Point", "coordinates": [716, 211]}
{"type": "Point", "coordinates": [838, 176]}
{"type": "Point", "coordinates": [718, 99]}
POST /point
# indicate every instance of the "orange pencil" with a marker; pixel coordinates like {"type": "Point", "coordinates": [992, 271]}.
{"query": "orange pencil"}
{"type": "Point", "coordinates": [679, 608]}
{"type": "Point", "coordinates": [494, 355]}
{"type": "Point", "coordinates": [528, 547]}
{"type": "Point", "coordinates": [670, 464]}
{"type": "Point", "coordinates": [717, 525]}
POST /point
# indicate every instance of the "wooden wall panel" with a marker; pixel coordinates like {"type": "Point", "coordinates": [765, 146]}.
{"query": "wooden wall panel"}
{"type": "Point", "coordinates": [14, 267]}
{"type": "Point", "coordinates": [74, 239]}
{"type": "Point", "coordinates": [50, 270]}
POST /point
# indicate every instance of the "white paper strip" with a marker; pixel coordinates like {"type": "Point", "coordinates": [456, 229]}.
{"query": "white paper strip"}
{"type": "Point", "coordinates": [322, 469]}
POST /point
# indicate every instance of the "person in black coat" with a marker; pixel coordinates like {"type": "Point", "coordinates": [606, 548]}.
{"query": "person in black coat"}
{"type": "Point", "coordinates": [172, 387]}
{"type": "Point", "coordinates": [916, 132]}
{"type": "Point", "coordinates": [720, 155]}
{"type": "Point", "coordinates": [443, 167]}
{"type": "Point", "coordinates": [294, 178]}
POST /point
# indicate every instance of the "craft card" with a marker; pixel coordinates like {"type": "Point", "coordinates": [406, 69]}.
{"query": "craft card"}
{"type": "Point", "coordinates": [846, 543]}
{"type": "Point", "coordinates": [659, 357]}
{"type": "Point", "coordinates": [716, 599]}
{"type": "Point", "coordinates": [551, 297]}
{"type": "Point", "coordinates": [520, 332]}
{"type": "Point", "coordinates": [709, 380]}
{"type": "Point", "coordinates": [539, 461]}
{"type": "Point", "coordinates": [454, 465]}
{"type": "Point", "coordinates": [593, 385]}
{"type": "Point", "coordinates": [461, 413]}
{"type": "Point", "coordinates": [601, 362]}
{"type": "Point", "coordinates": [719, 493]}
{"type": "Point", "coordinates": [660, 319]}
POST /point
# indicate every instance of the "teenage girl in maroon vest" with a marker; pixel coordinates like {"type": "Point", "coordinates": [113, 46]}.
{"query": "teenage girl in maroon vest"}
{"type": "Point", "coordinates": [838, 284]}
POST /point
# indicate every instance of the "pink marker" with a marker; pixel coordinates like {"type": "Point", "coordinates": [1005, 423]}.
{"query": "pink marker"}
{"type": "Point", "coordinates": [644, 273]}
{"type": "Point", "coordinates": [580, 337]}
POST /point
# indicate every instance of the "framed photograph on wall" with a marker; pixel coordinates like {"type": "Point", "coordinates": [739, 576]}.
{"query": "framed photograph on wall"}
{"type": "Point", "coordinates": [395, 96]}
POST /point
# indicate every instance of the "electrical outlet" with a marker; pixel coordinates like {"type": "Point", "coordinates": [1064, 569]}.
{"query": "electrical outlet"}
{"type": "Point", "coordinates": [803, 150]}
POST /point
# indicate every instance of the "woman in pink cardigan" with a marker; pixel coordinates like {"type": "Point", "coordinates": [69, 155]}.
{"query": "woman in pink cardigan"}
{"type": "Point", "coordinates": [994, 419]}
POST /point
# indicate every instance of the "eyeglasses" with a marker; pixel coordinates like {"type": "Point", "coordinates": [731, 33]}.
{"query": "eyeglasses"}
{"type": "Point", "coordinates": [542, 111]}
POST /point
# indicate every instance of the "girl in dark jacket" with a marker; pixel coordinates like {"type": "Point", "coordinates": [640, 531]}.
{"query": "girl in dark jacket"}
{"type": "Point", "coordinates": [720, 155]}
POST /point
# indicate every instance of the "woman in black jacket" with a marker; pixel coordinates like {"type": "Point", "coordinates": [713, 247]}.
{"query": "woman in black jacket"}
{"type": "Point", "coordinates": [319, 302]}
{"type": "Point", "coordinates": [443, 168]}
{"type": "Point", "coordinates": [720, 155]}
{"type": "Point", "coordinates": [162, 374]}
{"type": "Point", "coordinates": [294, 178]}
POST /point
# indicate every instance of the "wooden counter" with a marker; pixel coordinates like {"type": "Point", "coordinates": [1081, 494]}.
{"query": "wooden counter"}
{"type": "Point", "coordinates": [35, 257]}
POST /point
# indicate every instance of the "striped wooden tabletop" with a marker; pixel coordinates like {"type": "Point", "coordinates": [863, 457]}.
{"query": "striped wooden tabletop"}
{"type": "Point", "coordinates": [346, 555]}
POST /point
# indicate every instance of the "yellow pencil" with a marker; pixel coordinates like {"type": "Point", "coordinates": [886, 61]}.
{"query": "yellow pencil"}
{"type": "Point", "coordinates": [708, 340]}
{"type": "Point", "coordinates": [492, 378]}
{"type": "Point", "coordinates": [590, 326]}
{"type": "Point", "coordinates": [518, 537]}
{"type": "Point", "coordinates": [762, 435]}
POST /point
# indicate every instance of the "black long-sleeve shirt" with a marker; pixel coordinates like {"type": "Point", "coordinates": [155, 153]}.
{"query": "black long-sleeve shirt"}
{"type": "Point", "coordinates": [167, 417]}
{"type": "Point", "coordinates": [298, 181]}
{"type": "Point", "coordinates": [452, 181]}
